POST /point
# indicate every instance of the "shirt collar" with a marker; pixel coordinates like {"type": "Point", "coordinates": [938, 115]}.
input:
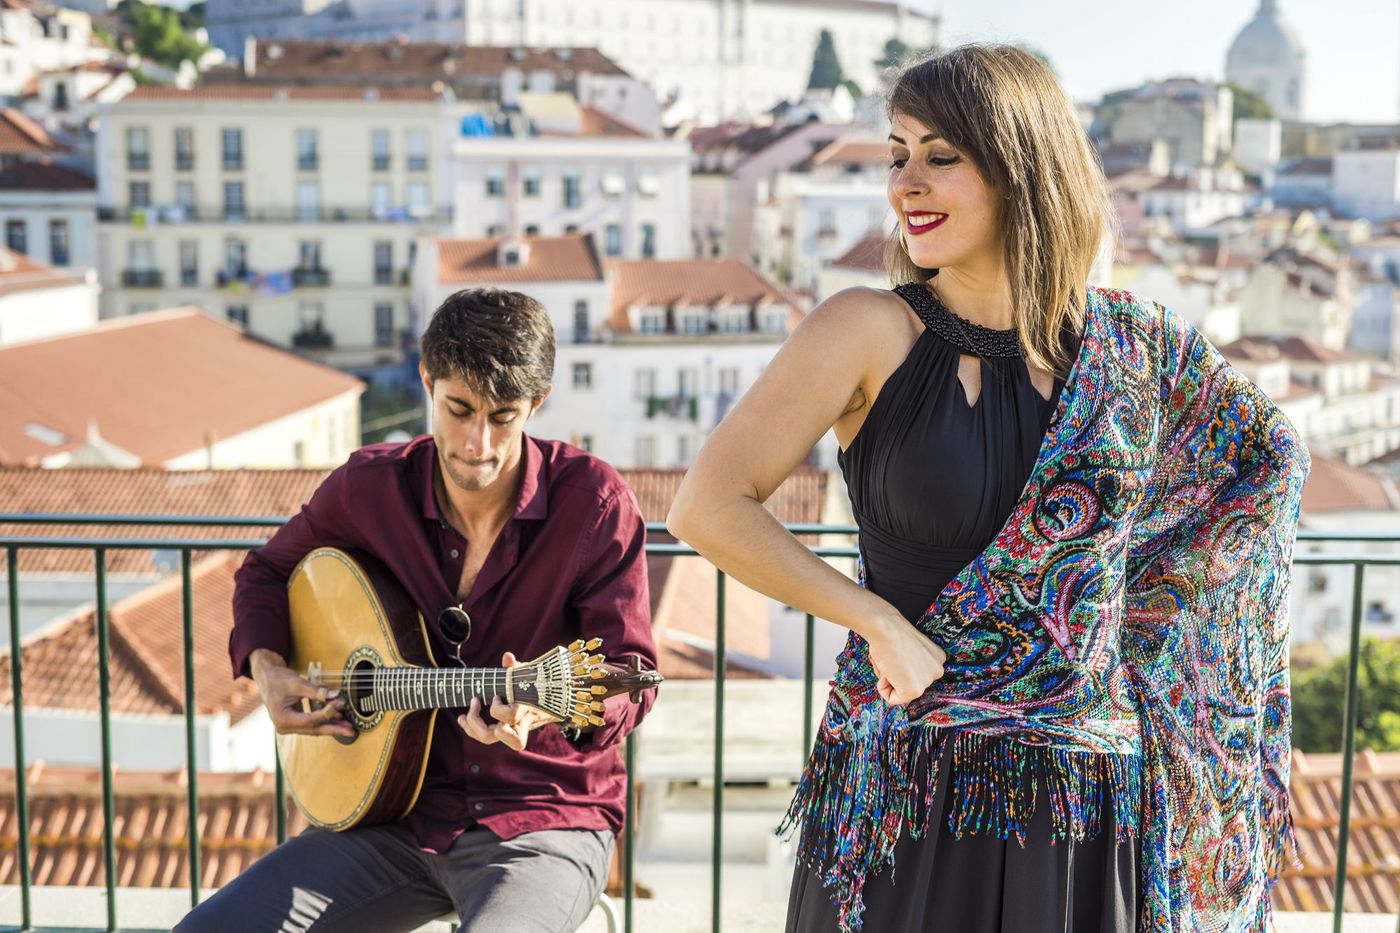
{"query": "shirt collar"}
{"type": "Point", "coordinates": [533, 502]}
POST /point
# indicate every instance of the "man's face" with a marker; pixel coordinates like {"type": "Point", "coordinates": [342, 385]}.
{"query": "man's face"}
{"type": "Point", "coordinates": [477, 439]}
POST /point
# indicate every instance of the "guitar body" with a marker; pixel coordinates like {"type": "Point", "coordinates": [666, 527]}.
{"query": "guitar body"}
{"type": "Point", "coordinates": [347, 614]}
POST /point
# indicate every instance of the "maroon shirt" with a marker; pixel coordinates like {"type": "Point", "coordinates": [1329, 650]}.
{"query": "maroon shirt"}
{"type": "Point", "coordinates": [569, 564]}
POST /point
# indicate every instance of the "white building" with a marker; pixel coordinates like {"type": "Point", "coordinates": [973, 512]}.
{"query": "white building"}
{"type": "Point", "coordinates": [1192, 117]}
{"type": "Point", "coordinates": [1189, 202]}
{"type": "Point", "coordinates": [72, 97]}
{"type": "Point", "coordinates": [290, 211]}
{"type": "Point", "coordinates": [37, 300]}
{"type": "Point", "coordinates": [1342, 403]}
{"type": "Point", "coordinates": [177, 390]}
{"type": "Point", "coordinates": [821, 208]}
{"type": "Point", "coordinates": [711, 60]}
{"type": "Point", "coordinates": [1375, 323]}
{"type": "Point", "coordinates": [563, 168]}
{"type": "Point", "coordinates": [1267, 57]}
{"type": "Point", "coordinates": [1258, 145]}
{"type": "Point", "coordinates": [1208, 304]}
{"type": "Point", "coordinates": [1301, 183]}
{"type": "Point", "coordinates": [1293, 294]}
{"type": "Point", "coordinates": [49, 213]}
{"type": "Point", "coordinates": [1366, 183]}
{"type": "Point", "coordinates": [37, 37]}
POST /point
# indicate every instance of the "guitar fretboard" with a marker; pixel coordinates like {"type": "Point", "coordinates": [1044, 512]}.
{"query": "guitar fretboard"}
{"type": "Point", "coordinates": [410, 688]}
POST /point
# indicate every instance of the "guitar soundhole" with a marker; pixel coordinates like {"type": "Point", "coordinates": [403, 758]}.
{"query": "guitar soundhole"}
{"type": "Point", "coordinates": [359, 680]}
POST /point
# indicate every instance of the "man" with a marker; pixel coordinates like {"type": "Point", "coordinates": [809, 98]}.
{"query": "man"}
{"type": "Point", "coordinates": [539, 543]}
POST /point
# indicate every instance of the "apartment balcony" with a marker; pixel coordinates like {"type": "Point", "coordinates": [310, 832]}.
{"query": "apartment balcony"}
{"type": "Point", "coordinates": [314, 337]}
{"type": "Point", "coordinates": [175, 214]}
{"type": "Point", "coordinates": [311, 278]}
{"type": "Point", "coordinates": [142, 278]}
{"type": "Point", "coordinates": [715, 761]}
{"type": "Point", "coordinates": [673, 406]}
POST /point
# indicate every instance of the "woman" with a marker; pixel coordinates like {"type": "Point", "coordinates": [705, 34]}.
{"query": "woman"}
{"type": "Point", "coordinates": [1064, 702]}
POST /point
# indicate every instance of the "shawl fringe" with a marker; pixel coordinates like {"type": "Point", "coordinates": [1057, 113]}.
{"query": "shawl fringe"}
{"type": "Point", "coordinates": [851, 810]}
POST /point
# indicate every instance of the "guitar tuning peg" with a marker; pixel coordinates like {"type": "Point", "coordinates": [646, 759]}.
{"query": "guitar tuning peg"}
{"type": "Point", "coordinates": [593, 643]}
{"type": "Point", "coordinates": [576, 645]}
{"type": "Point", "coordinates": [599, 689]}
{"type": "Point", "coordinates": [595, 659]}
{"type": "Point", "coordinates": [583, 694]}
{"type": "Point", "coordinates": [597, 706]}
{"type": "Point", "coordinates": [596, 720]}
{"type": "Point", "coordinates": [596, 673]}
{"type": "Point", "coordinates": [579, 719]}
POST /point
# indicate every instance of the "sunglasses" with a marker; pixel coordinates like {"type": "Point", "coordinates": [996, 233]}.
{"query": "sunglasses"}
{"type": "Point", "coordinates": [456, 626]}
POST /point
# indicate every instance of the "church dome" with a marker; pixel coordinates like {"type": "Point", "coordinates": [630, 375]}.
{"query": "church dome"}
{"type": "Point", "coordinates": [1267, 40]}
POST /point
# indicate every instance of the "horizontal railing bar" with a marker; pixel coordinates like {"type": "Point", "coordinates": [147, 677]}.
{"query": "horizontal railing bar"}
{"type": "Point", "coordinates": [135, 544]}
{"type": "Point", "coordinates": [111, 518]}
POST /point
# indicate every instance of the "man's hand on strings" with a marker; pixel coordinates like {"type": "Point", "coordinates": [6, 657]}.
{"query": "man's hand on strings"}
{"type": "Point", "coordinates": [513, 721]}
{"type": "Point", "coordinates": [283, 693]}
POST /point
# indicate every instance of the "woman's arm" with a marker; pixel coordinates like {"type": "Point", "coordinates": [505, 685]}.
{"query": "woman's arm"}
{"type": "Point", "coordinates": [819, 377]}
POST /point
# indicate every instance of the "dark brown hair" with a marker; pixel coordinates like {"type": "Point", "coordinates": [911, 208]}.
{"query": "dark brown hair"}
{"type": "Point", "coordinates": [500, 343]}
{"type": "Point", "coordinates": [1004, 109]}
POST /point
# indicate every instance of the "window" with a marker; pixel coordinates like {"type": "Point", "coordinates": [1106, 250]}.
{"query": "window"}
{"type": "Point", "coordinates": [652, 322]}
{"type": "Point", "coordinates": [646, 450]}
{"type": "Point", "coordinates": [379, 150]}
{"type": "Point", "coordinates": [139, 256]}
{"type": "Point", "coordinates": [683, 447]}
{"type": "Point", "coordinates": [416, 150]}
{"type": "Point", "coordinates": [584, 442]}
{"type": "Point", "coordinates": [571, 190]}
{"type": "Point", "coordinates": [614, 240]}
{"type": "Point", "coordinates": [494, 230]}
{"type": "Point", "coordinates": [380, 199]}
{"type": "Point", "coordinates": [648, 241]}
{"type": "Point", "coordinates": [694, 323]}
{"type": "Point", "coordinates": [59, 251]}
{"type": "Point", "coordinates": [60, 93]}
{"type": "Point", "coordinates": [583, 375]}
{"type": "Point", "coordinates": [530, 183]}
{"type": "Point", "coordinates": [689, 381]}
{"type": "Point", "coordinates": [184, 148]}
{"type": "Point", "coordinates": [532, 229]}
{"type": "Point", "coordinates": [384, 324]}
{"type": "Point", "coordinates": [644, 384]}
{"type": "Point", "coordinates": [826, 222]}
{"type": "Point", "coordinates": [648, 185]}
{"type": "Point", "coordinates": [571, 228]}
{"type": "Point", "coordinates": [383, 262]}
{"type": "Point", "coordinates": [235, 258]}
{"type": "Point", "coordinates": [734, 322]}
{"type": "Point", "coordinates": [614, 185]}
{"type": "Point", "coordinates": [139, 193]}
{"type": "Point", "coordinates": [184, 196]}
{"type": "Point", "coordinates": [581, 328]}
{"type": "Point", "coordinates": [418, 204]}
{"type": "Point", "coordinates": [233, 200]}
{"type": "Point", "coordinates": [308, 200]}
{"type": "Point", "coordinates": [307, 158]}
{"type": "Point", "coordinates": [138, 148]}
{"type": "Point", "coordinates": [729, 380]}
{"type": "Point", "coordinates": [309, 254]}
{"type": "Point", "coordinates": [189, 263]}
{"type": "Point", "coordinates": [773, 321]}
{"type": "Point", "coordinates": [17, 236]}
{"type": "Point", "coordinates": [237, 314]}
{"type": "Point", "coordinates": [495, 184]}
{"type": "Point", "coordinates": [233, 150]}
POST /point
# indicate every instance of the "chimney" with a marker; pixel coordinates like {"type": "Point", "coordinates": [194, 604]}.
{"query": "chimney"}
{"type": "Point", "coordinates": [250, 57]}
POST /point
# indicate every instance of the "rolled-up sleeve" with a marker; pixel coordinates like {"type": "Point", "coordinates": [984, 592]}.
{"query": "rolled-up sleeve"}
{"type": "Point", "coordinates": [613, 603]}
{"type": "Point", "coordinates": [260, 614]}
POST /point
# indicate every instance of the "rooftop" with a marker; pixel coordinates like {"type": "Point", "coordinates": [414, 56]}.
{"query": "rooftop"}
{"type": "Point", "coordinates": [294, 93]}
{"type": "Point", "coordinates": [684, 282]}
{"type": "Point", "coordinates": [395, 61]}
{"type": "Point", "coordinates": [45, 175]}
{"type": "Point", "coordinates": [569, 258]}
{"type": "Point", "coordinates": [1335, 486]}
{"type": "Point", "coordinates": [19, 273]}
{"type": "Point", "coordinates": [21, 136]}
{"type": "Point", "coordinates": [867, 255]}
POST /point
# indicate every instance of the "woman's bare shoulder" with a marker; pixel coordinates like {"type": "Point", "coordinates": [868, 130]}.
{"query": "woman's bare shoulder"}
{"type": "Point", "coordinates": [862, 314]}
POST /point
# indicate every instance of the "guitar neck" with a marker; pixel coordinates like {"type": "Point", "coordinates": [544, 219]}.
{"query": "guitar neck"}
{"type": "Point", "coordinates": [439, 688]}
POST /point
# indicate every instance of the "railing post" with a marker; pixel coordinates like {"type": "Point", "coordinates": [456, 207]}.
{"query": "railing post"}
{"type": "Point", "coordinates": [628, 853]}
{"type": "Point", "coordinates": [191, 751]}
{"type": "Point", "coordinates": [280, 789]}
{"type": "Point", "coordinates": [21, 769]}
{"type": "Point", "coordinates": [717, 865]}
{"type": "Point", "coordinates": [109, 847]}
{"type": "Point", "coordinates": [1349, 717]}
{"type": "Point", "coordinates": [807, 667]}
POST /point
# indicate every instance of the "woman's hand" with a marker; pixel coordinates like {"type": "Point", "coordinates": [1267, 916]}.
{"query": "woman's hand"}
{"type": "Point", "coordinates": [906, 660]}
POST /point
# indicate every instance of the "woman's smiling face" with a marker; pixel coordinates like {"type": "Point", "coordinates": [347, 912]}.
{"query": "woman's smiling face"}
{"type": "Point", "coordinates": [949, 215]}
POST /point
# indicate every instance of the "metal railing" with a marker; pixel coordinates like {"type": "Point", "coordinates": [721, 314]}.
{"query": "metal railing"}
{"type": "Point", "coordinates": [100, 547]}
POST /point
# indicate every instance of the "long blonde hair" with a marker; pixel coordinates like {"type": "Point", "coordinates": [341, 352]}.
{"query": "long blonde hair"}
{"type": "Point", "coordinates": [1005, 110]}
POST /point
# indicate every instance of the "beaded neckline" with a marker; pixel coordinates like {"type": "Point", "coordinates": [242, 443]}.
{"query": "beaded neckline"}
{"type": "Point", "coordinates": [962, 334]}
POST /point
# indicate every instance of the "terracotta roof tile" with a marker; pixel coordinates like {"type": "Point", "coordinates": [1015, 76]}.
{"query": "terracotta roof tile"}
{"type": "Point", "coordinates": [283, 94]}
{"type": "Point", "coordinates": [19, 273]}
{"type": "Point", "coordinates": [854, 150]}
{"type": "Point", "coordinates": [147, 662]}
{"type": "Point", "coordinates": [237, 824]}
{"type": "Point", "coordinates": [168, 381]}
{"type": "Point", "coordinates": [45, 175]}
{"type": "Point", "coordinates": [1334, 486]}
{"type": "Point", "coordinates": [287, 60]}
{"type": "Point", "coordinates": [79, 491]}
{"type": "Point", "coordinates": [19, 135]}
{"type": "Point", "coordinates": [799, 500]}
{"type": "Point", "coordinates": [701, 282]}
{"type": "Point", "coordinates": [597, 123]}
{"type": "Point", "coordinates": [867, 255]}
{"type": "Point", "coordinates": [570, 258]}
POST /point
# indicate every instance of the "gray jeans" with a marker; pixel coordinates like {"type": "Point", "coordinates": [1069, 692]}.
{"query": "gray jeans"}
{"type": "Point", "coordinates": [377, 879]}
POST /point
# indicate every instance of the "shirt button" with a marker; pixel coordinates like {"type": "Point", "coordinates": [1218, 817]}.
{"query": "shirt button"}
{"type": "Point", "coordinates": [479, 807]}
{"type": "Point", "coordinates": [476, 769]}
{"type": "Point", "coordinates": [454, 552]}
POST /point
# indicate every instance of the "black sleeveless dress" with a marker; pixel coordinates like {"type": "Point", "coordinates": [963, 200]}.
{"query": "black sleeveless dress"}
{"type": "Point", "coordinates": [932, 480]}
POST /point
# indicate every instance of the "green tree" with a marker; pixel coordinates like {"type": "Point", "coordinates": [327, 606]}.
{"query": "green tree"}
{"type": "Point", "coordinates": [160, 37]}
{"type": "Point", "coordinates": [1249, 105]}
{"type": "Point", "coordinates": [898, 53]}
{"type": "Point", "coordinates": [1319, 698]}
{"type": "Point", "coordinates": [826, 68]}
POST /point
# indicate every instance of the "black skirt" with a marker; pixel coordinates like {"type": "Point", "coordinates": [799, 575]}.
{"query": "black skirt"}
{"type": "Point", "coordinates": [983, 884]}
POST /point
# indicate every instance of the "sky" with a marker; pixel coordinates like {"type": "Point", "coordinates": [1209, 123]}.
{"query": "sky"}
{"type": "Point", "coordinates": [1352, 46]}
